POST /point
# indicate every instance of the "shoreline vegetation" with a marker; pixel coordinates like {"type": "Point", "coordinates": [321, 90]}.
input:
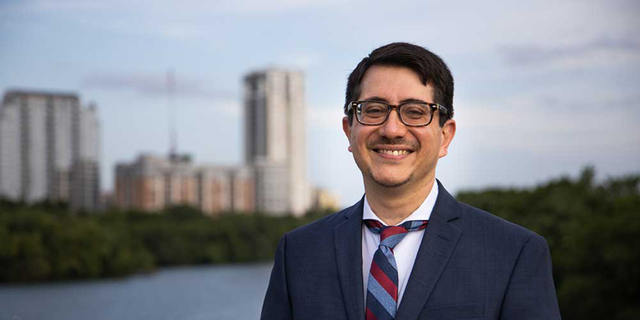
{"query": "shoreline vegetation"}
{"type": "Point", "coordinates": [46, 242]}
{"type": "Point", "coordinates": [592, 228]}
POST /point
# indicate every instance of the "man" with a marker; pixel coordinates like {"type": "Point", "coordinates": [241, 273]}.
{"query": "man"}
{"type": "Point", "coordinates": [408, 250]}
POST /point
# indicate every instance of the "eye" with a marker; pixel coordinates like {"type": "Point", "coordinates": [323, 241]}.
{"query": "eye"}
{"type": "Point", "coordinates": [374, 109]}
{"type": "Point", "coordinates": [414, 111]}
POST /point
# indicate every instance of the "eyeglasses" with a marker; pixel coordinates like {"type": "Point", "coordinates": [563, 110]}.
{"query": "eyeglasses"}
{"type": "Point", "coordinates": [412, 114]}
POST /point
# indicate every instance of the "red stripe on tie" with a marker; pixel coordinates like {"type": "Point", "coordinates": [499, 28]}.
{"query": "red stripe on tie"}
{"type": "Point", "coordinates": [373, 223]}
{"type": "Point", "coordinates": [384, 281]}
{"type": "Point", "coordinates": [370, 316]}
{"type": "Point", "coordinates": [390, 231]}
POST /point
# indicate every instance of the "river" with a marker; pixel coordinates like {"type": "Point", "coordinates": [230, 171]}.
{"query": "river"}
{"type": "Point", "coordinates": [230, 292]}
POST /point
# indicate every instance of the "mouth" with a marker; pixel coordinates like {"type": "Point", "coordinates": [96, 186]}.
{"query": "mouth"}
{"type": "Point", "coordinates": [396, 152]}
{"type": "Point", "coordinates": [393, 151]}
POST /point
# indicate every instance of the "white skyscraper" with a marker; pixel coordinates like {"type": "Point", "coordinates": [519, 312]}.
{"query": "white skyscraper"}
{"type": "Point", "coordinates": [49, 149]}
{"type": "Point", "coordinates": [275, 143]}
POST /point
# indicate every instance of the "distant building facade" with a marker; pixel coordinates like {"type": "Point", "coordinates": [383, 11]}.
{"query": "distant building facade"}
{"type": "Point", "coordinates": [275, 143]}
{"type": "Point", "coordinates": [154, 183]}
{"type": "Point", "coordinates": [49, 149]}
{"type": "Point", "coordinates": [324, 200]}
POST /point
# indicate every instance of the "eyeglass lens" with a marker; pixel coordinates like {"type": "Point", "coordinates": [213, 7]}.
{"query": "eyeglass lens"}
{"type": "Point", "coordinates": [375, 113]}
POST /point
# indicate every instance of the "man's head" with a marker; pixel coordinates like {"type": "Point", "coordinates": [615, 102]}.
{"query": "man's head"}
{"type": "Point", "coordinates": [401, 150]}
{"type": "Point", "coordinates": [431, 69]}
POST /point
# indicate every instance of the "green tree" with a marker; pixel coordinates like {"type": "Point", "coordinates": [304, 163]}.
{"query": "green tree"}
{"type": "Point", "coordinates": [593, 231]}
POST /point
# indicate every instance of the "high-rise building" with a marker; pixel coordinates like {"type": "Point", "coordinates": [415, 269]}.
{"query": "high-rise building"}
{"type": "Point", "coordinates": [49, 149]}
{"type": "Point", "coordinates": [153, 183]}
{"type": "Point", "coordinates": [275, 145]}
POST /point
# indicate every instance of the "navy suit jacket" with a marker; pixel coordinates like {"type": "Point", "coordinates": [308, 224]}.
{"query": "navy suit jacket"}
{"type": "Point", "coordinates": [470, 265]}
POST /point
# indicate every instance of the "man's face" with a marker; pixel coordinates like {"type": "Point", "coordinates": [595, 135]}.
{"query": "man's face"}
{"type": "Point", "coordinates": [418, 148]}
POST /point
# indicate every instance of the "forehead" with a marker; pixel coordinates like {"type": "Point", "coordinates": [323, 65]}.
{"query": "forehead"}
{"type": "Point", "coordinates": [394, 84]}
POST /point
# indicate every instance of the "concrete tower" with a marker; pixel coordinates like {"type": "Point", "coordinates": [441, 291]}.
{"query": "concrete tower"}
{"type": "Point", "coordinates": [275, 145]}
{"type": "Point", "coordinates": [49, 149]}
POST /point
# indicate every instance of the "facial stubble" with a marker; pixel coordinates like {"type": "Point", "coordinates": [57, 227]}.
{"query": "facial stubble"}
{"type": "Point", "coordinates": [390, 184]}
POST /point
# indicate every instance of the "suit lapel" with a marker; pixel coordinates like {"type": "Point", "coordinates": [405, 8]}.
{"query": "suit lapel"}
{"type": "Point", "coordinates": [348, 247]}
{"type": "Point", "coordinates": [437, 245]}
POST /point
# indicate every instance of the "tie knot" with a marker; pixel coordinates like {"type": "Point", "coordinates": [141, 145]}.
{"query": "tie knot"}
{"type": "Point", "coordinates": [390, 236]}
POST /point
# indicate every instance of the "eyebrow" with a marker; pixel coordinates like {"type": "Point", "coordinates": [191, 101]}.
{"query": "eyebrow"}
{"type": "Point", "coordinates": [376, 98]}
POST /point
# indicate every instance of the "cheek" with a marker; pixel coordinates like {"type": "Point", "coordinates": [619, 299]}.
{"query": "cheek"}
{"type": "Point", "coordinates": [430, 142]}
{"type": "Point", "coordinates": [358, 139]}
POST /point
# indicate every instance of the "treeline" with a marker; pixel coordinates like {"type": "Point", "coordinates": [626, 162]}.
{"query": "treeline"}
{"type": "Point", "coordinates": [46, 242]}
{"type": "Point", "coordinates": [593, 231]}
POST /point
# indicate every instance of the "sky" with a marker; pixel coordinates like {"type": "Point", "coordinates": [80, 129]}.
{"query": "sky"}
{"type": "Point", "coordinates": [543, 88]}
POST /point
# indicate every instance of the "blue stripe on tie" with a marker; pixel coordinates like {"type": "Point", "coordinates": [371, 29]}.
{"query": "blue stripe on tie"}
{"type": "Point", "coordinates": [376, 308]}
{"type": "Point", "coordinates": [383, 297]}
{"type": "Point", "coordinates": [393, 240]}
{"type": "Point", "coordinates": [388, 255]}
{"type": "Point", "coordinates": [413, 225]}
{"type": "Point", "coordinates": [386, 266]}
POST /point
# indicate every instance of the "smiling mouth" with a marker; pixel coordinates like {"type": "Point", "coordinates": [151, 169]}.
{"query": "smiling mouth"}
{"type": "Point", "coordinates": [393, 152]}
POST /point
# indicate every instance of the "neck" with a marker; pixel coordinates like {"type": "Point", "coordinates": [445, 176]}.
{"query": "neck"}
{"type": "Point", "coordinates": [392, 205]}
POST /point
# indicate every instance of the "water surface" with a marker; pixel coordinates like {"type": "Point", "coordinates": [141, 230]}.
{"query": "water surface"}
{"type": "Point", "coordinates": [231, 292]}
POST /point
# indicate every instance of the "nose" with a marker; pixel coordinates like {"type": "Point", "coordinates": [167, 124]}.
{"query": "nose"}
{"type": "Point", "coordinates": [393, 127]}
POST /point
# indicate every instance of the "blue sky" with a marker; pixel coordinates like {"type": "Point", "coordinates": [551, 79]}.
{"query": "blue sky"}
{"type": "Point", "coordinates": [543, 88]}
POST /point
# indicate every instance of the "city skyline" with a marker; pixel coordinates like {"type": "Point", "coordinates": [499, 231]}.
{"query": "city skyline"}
{"type": "Point", "coordinates": [272, 179]}
{"type": "Point", "coordinates": [542, 89]}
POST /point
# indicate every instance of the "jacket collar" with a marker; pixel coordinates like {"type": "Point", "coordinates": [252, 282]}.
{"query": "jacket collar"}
{"type": "Point", "coordinates": [438, 244]}
{"type": "Point", "coordinates": [348, 248]}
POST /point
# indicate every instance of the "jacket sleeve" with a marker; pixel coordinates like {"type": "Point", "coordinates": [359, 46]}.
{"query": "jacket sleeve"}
{"type": "Point", "coordinates": [277, 303]}
{"type": "Point", "coordinates": [531, 293]}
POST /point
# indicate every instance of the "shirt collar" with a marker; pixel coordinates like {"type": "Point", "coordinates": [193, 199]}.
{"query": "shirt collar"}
{"type": "Point", "coordinates": [422, 213]}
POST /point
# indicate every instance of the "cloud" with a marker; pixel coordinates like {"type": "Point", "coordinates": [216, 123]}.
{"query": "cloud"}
{"type": "Point", "coordinates": [229, 107]}
{"type": "Point", "coordinates": [276, 6]}
{"type": "Point", "coordinates": [536, 54]}
{"type": "Point", "coordinates": [57, 5]}
{"type": "Point", "coordinates": [152, 85]}
{"type": "Point", "coordinates": [325, 117]}
{"type": "Point", "coordinates": [172, 31]}
{"type": "Point", "coordinates": [300, 60]}
{"type": "Point", "coordinates": [167, 19]}
{"type": "Point", "coordinates": [524, 124]}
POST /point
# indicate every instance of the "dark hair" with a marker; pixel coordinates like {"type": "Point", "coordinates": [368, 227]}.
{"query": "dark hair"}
{"type": "Point", "coordinates": [431, 69]}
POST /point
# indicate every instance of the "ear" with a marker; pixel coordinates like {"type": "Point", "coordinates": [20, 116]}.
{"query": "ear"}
{"type": "Point", "coordinates": [448, 131]}
{"type": "Point", "coordinates": [347, 130]}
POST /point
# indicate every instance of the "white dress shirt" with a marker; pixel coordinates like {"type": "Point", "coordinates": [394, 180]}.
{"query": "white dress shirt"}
{"type": "Point", "coordinates": [405, 252]}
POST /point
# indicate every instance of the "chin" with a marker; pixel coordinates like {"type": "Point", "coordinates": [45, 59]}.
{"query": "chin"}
{"type": "Point", "coordinates": [389, 182]}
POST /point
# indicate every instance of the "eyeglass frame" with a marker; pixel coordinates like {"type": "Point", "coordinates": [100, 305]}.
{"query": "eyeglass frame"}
{"type": "Point", "coordinates": [434, 107]}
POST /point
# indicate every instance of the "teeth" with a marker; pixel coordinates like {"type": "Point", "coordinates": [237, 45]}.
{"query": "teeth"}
{"type": "Point", "coordinates": [394, 152]}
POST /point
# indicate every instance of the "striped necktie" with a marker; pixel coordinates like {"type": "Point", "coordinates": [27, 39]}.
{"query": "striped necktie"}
{"type": "Point", "coordinates": [382, 289]}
